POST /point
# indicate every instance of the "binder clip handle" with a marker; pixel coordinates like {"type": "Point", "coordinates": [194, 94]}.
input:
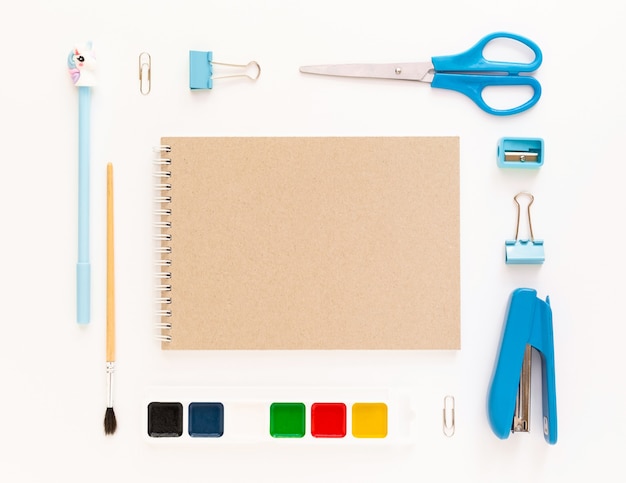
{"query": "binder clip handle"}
{"type": "Point", "coordinates": [519, 210]}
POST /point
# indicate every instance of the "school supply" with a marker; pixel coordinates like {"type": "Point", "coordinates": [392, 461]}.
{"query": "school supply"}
{"type": "Point", "coordinates": [468, 72]}
{"type": "Point", "coordinates": [308, 243]}
{"type": "Point", "coordinates": [449, 416]}
{"type": "Point", "coordinates": [524, 251]}
{"type": "Point", "coordinates": [145, 73]}
{"type": "Point", "coordinates": [297, 415]}
{"type": "Point", "coordinates": [201, 70]}
{"type": "Point", "coordinates": [81, 63]}
{"type": "Point", "coordinates": [528, 325]}
{"type": "Point", "coordinates": [110, 422]}
{"type": "Point", "coordinates": [524, 153]}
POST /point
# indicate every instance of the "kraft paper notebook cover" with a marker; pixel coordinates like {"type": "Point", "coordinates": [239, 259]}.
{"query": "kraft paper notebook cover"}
{"type": "Point", "coordinates": [310, 243]}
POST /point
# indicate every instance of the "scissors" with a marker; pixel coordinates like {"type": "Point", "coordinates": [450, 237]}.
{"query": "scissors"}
{"type": "Point", "coordinates": [468, 72]}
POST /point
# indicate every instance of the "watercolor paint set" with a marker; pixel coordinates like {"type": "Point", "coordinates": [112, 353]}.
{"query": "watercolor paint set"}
{"type": "Point", "coordinates": [209, 415]}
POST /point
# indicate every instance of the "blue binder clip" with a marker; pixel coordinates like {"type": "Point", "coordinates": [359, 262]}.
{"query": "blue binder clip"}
{"type": "Point", "coordinates": [528, 325]}
{"type": "Point", "coordinates": [524, 251]}
{"type": "Point", "coordinates": [201, 70]}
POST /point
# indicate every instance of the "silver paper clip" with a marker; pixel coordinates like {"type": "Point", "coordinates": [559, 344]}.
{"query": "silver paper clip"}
{"type": "Point", "coordinates": [448, 416]}
{"type": "Point", "coordinates": [145, 73]}
{"type": "Point", "coordinates": [529, 251]}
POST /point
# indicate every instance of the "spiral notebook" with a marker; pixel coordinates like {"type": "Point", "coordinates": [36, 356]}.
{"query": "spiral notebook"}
{"type": "Point", "coordinates": [309, 243]}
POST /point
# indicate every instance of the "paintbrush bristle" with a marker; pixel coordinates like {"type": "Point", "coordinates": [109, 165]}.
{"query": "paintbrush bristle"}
{"type": "Point", "coordinates": [110, 423]}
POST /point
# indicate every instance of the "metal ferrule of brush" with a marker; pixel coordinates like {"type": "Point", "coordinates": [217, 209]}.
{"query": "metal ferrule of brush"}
{"type": "Point", "coordinates": [110, 370]}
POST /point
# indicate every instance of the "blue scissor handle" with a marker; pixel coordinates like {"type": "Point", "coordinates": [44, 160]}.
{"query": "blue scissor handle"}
{"type": "Point", "coordinates": [473, 86]}
{"type": "Point", "coordinates": [472, 60]}
{"type": "Point", "coordinates": [469, 73]}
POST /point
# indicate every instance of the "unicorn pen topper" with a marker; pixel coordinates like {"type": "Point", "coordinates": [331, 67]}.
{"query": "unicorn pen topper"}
{"type": "Point", "coordinates": [81, 63]}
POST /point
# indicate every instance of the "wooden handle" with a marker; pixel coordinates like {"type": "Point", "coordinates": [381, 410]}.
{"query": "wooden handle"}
{"type": "Point", "coordinates": [110, 337]}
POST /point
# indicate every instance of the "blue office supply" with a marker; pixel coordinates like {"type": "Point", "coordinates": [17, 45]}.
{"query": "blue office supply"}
{"type": "Point", "coordinates": [524, 252]}
{"type": "Point", "coordinates": [528, 325]}
{"type": "Point", "coordinates": [81, 63]}
{"type": "Point", "coordinates": [524, 153]}
{"type": "Point", "coordinates": [520, 251]}
{"type": "Point", "coordinates": [468, 72]}
{"type": "Point", "coordinates": [201, 70]}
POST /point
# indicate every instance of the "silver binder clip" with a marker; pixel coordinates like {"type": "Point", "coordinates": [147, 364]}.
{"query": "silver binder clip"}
{"type": "Point", "coordinates": [520, 251]}
{"type": "Point", "coordinates": [201, 70]}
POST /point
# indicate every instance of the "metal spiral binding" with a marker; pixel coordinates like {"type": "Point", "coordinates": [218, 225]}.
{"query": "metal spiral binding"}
{"type": "Point", "coordinates": [163, 299]}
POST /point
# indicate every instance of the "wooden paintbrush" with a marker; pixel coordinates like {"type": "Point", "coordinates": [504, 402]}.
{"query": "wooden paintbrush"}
{"type": "Point", "coordinates": [110, 422]}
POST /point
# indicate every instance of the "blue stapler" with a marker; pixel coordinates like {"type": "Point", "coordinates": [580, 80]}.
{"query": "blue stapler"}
{"type": "Point", "coordinates": [528, 325]}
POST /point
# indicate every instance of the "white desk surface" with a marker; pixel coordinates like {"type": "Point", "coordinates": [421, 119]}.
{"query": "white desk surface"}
{"type": "Point", "coordinates": [53, 396]}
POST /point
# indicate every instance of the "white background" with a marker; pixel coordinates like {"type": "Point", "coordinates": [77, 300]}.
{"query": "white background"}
{"type": "Point", "coordinates": [53, 380]}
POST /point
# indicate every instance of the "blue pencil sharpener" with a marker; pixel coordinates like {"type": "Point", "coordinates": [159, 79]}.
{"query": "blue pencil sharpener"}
{"type": "Point", "coordinates": [524, 153]}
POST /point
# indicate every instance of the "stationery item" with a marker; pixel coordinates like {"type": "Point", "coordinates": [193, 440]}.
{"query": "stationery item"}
{"type": "Point", "coordinates": [309, 243]}
{"type": "Point", "coordinates": [525, 153]}
{"type": "Point", "coordinates": [468, 72]}
{"type": "Point", "coordinates": [145, 73]}
{"type": "Point", "coordinates": [524, 251]}
{"type": "Point", "coordinates": [528, 325]}
{"type": "Point", "coordinates": [277, 415]}
{"type": "Point", "coordinates": [449, 417]}
{"type": "Point", "coordinates": [201, 70]}
{"type": "Point", "coordinates": [110, 422]}
{"type": "Point", "coordinates": [82, 64]}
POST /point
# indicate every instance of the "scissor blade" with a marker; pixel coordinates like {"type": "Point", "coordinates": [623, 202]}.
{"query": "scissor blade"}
{"type": "Point", "coordinates": [414, 71]}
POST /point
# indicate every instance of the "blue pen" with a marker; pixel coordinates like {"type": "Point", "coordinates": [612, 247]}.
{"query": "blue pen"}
{"type": "Point", "coordinates": [81, 63]}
